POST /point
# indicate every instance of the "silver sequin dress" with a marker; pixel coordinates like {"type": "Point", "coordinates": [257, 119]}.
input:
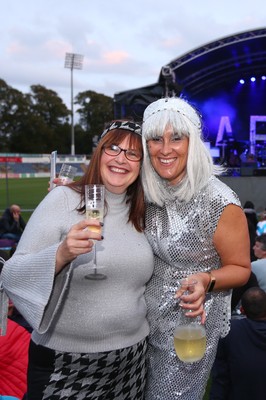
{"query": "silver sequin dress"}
{"type": "Point", "coordinates": [181, 235]}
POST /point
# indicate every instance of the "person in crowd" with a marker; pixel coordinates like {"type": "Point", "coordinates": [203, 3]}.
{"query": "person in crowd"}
{"type": "Point", "coordinates": [11, 223]}
{"type": "Point", "coordinates": [261, 225]}
{"type": "Point", "coordinates": [252, 220]}
{"type": "Point", "coordinates": [251, 160]}
{"type": "Point", "coordinates": [238, 292]}
{"type": "Point", "coordinates": [251, 215]}
{"type": "Point", "coordinates": [197, 229]}
{"type": "Point", "coordinates": [89, 337]}
{"type": "Point", "coordinates": [13, 361]}
{"type": "Point", "coordinates": [239, 369]}
{"type": "Point", "coordinates": [250, 212]}
{"type": "Point", "coordinates": [259, 266]}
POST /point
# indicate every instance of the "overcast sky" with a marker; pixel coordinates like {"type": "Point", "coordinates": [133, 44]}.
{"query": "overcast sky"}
{"type": "Point", "coordinates": [124, 42]}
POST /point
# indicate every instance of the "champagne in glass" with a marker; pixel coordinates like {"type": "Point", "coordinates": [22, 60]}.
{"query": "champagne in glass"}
{"type": "Point", "coordinates": [189, 334]}
{"type": "Point", "coordinates": [94, 203]}
{"type": "Point", "coordinates": [95, 214]}
{"type": "Point", "coordinates": [190, 342]}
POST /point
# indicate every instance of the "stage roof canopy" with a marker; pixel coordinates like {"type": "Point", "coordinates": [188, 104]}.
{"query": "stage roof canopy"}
{"type": "Point", "coordinates": [217, 64]}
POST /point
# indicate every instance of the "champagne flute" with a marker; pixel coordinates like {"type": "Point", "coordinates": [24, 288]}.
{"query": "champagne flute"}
{"type": "Point", "coordinates": [189, 334]}
{"type": "Point", "coordinates": [94, 203]}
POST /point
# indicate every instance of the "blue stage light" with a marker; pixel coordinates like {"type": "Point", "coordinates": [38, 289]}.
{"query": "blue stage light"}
{"type": "Point", "coordinates": [253, 79]}
{"type": "Point", "coordinates": [242, 81]}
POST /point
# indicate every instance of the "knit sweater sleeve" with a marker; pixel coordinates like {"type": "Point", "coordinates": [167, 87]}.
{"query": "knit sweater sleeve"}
{"type": "Point", "coordinates": [29, 275]}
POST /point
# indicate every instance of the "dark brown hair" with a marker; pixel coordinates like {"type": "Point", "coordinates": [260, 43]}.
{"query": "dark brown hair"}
{"type": "Point", "coordinates": [135, 194]}
{"type": "Point", "coordinates": [261, 239]}
{"type": "Point", "coordinates": [254, 303]}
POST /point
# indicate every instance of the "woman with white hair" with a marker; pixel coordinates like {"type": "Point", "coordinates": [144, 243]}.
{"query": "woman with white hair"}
{"type": "Point", "coordinates": [197, 229]}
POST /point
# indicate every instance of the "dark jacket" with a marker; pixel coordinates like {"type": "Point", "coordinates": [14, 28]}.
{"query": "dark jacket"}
{"type": "Point", "coordinates": [9, 225]}
{"type": "Point", "coordinates": [239, 371]}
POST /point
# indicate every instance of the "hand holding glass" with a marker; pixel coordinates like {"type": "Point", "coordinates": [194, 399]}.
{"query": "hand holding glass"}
{"type": "Point", "coordinates": [94, 203]}
{"type": "Point", "coordinates": [189, 334]}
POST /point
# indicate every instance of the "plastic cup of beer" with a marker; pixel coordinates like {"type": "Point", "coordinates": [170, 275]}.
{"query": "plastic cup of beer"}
{"type": "Point", "coordinates": [67, 174]}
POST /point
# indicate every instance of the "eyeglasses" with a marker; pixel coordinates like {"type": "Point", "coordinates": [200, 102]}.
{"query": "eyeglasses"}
{"type": "Point", "coordinates": [114, 150]}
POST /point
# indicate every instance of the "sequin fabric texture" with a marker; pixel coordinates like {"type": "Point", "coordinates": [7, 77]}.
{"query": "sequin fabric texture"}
{"type": "Point", "coordinates": [181, 235]}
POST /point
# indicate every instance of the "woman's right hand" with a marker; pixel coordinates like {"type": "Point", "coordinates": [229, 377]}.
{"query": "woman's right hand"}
{"type": "Point", "coordinates": [79, 240]}
{"type": "Point", "coordinates": [57, 181]}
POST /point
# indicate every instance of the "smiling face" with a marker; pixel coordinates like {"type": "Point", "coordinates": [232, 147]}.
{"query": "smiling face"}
{"type": "Point", "coordinates": [168, 155]}
{"type": "Point", "coordinates": [117, 172]}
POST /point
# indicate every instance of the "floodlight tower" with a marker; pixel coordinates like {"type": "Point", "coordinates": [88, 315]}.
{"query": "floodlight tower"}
{"type": "Point", "coordinates": [73, 61]}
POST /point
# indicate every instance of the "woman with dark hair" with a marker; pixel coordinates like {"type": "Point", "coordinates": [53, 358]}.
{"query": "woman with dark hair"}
{"type": "Point", "coordinates": [89, 337]}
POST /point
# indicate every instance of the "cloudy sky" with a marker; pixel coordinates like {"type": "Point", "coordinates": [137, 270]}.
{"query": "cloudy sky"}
{"type": "Point", "coordinates": [124, 42]}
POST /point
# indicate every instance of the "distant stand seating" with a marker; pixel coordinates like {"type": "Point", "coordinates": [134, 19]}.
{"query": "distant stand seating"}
{"type": "Point", "coordinates": [80, 168]}
{"type": "Point", "coordinates": [34, 168]}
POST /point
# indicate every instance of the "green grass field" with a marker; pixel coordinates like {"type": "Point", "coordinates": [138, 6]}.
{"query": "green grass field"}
{"type": "Point", "coordinates": [26, 192]}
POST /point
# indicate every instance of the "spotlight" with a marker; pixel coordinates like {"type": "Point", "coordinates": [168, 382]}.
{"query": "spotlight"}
{"type": "Point", "coordinates": [253, 79]}
{"type": "Point", "coordinates": [263, 77]}
{"type": "Point", "coordinates": [242, 81]}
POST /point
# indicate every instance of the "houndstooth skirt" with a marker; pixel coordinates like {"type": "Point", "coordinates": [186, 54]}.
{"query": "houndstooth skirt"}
{"type": "Point", "coordinates": [118, 374]}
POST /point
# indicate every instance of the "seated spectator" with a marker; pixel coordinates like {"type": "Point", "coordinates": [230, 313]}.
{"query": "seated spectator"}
{"type": "Point", "coordinates": [261, 225]}
{"type": "Point", "coordinates": [238, 372]}
{"type": "Point", "coordinates": [259, 266]}
{"type": "Point", "coordinates": [11, 223]}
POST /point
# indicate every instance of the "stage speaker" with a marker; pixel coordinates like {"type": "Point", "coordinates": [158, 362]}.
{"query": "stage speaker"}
{"type": "Point", "coordinates": [260, 172]}
{"type": "Point", "coordinates": [247, 171]}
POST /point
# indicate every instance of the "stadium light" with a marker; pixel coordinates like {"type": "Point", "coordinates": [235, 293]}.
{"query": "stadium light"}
{"type": "Point", "coordinates": [73, 61]}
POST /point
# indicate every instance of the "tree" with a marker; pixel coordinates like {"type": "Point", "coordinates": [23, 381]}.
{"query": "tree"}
{"type": "Point", "coordinates": [53, 116]}
{"type": "Point", "coordinates": [46, 104]}
{"type": "Point", "coordinates": [14, 109]}
{"type": "Point", "coordinates": [39, 121]}
{"type": "Point", "coordinates": [96, 109]}
{"type": "Point", "coordinates": [36, 122]}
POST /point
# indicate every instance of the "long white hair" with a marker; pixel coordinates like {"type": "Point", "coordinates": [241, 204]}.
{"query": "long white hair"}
{"type": "Point", "coordinates": [185, 121]}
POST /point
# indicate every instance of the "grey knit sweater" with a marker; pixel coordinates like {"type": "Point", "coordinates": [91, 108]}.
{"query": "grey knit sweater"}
{"type": "Point", "coordinates": [68, 312]}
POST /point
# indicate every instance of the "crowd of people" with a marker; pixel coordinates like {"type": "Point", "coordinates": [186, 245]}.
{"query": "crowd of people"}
{"type": "Point", "coordinates": [257, 231]}
{"type": "Point", "coordinates": [239, 369]}
{"type": "Point", "coordinates": [167, 217]}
